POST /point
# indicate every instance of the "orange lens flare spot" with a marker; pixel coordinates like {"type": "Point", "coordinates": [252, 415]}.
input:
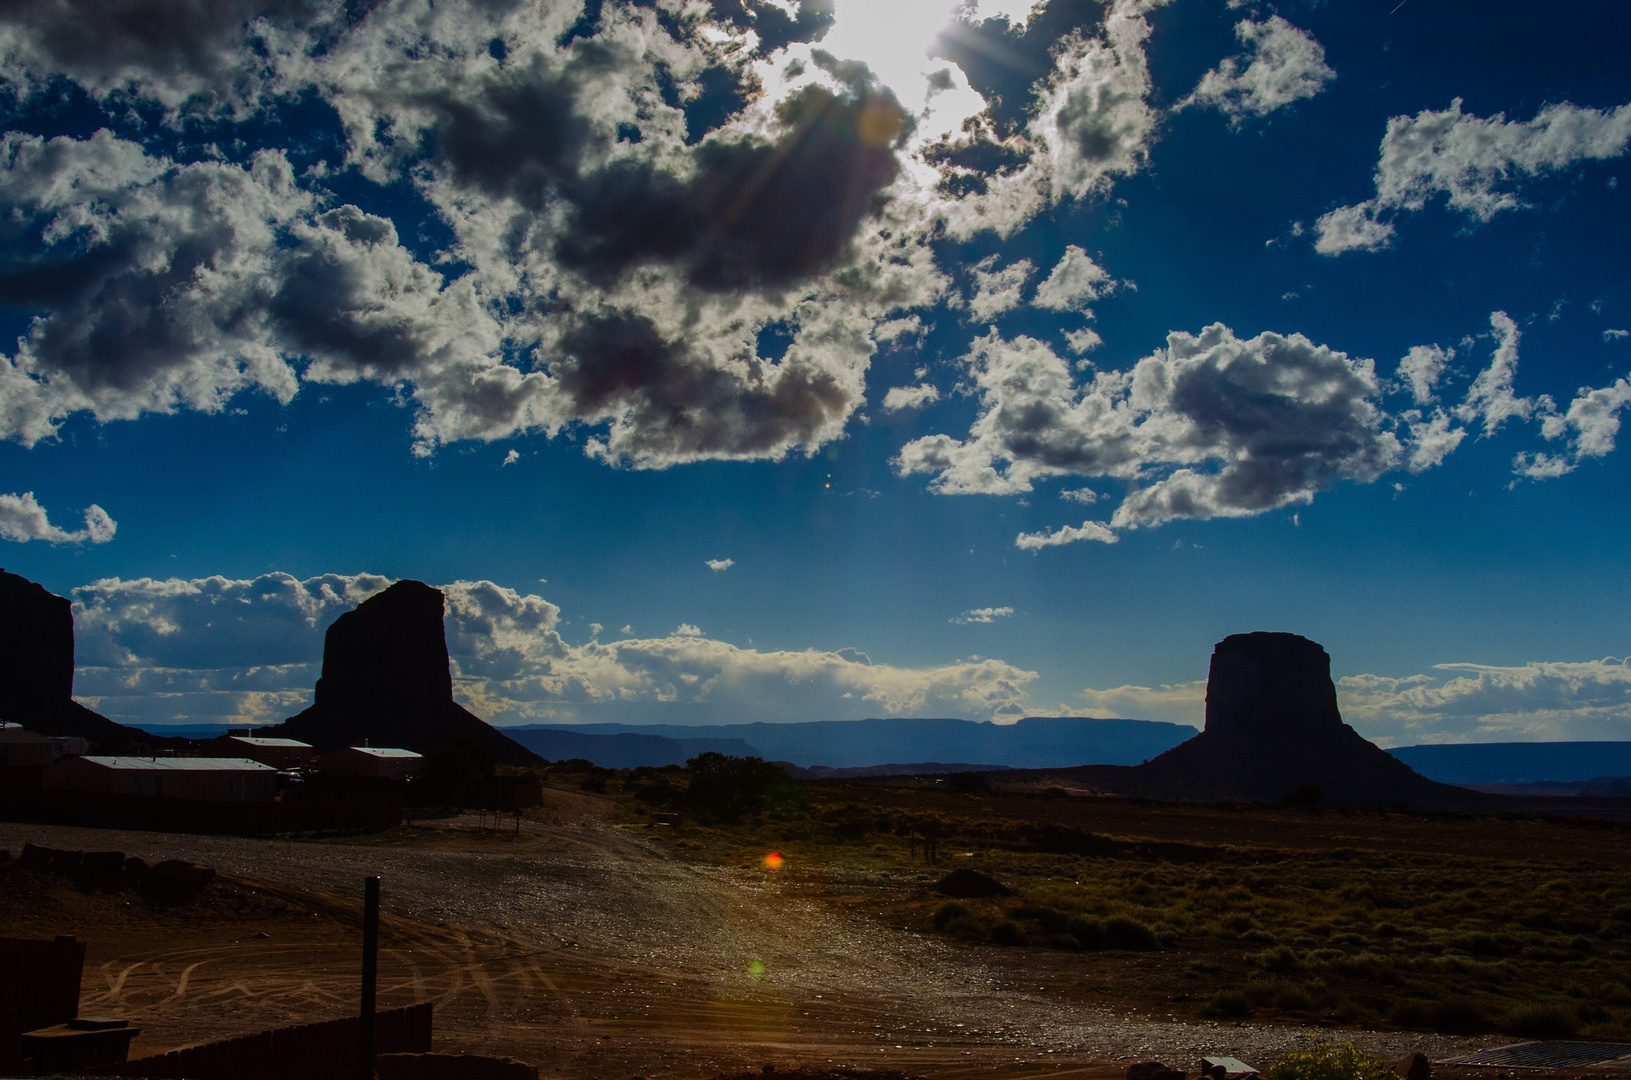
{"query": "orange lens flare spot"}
{"type": "Point", "coordinates": [773, 861]}
{"type": "Point", "coordinates": [879, 122]}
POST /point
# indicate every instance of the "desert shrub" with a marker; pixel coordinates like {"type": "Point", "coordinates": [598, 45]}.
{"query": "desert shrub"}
{"type": "Point", "coordinates": [968, 783]}
{"type": "Point", "coordinates": [1412, 1013]}
{"type": "Point", "coordinates": [1120, 932]}
{"type": "Point", "coordinates": [1089, 933]}
{"type": "Point", "coordinates": [452, 776]}
{"type": "Point", "coordinates": [1327, 1062]}
{"type": "Point", "coordinates": [1542, 1022]}
{"type": "Point", "coordinates": [1457, 1016]}
{"type": "Point", "coordinates": [1278, 958]}
{"type": "Point", "coordinates": [1063, 941]}
{"type": "Point", "coordinates": [1227, 1005]}
{"type": "Point", "coordinates": [1008, 932]}
{"type": "Point", "coordinates": [966, 927]}
{"type": "Point", "coordinates": [1261, 937]}
{"type": "Point", "coordinates": [728, 788]}
{"type": "Point", "coordinates": [948, 911]}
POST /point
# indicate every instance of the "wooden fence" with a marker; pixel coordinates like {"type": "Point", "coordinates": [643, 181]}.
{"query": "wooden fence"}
{"type": "Point", "coordinates": [321, 1051]}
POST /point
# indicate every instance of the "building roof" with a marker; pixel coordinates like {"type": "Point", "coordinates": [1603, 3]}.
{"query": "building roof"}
{"type": "Point", "coordinates": [385, 751]}
{"type": "Point", "coordinates": [275, 744]}
{"type": "Point", "coordinates": [13, 734]}
{"type": "Point", "coordinates": [179, 764]}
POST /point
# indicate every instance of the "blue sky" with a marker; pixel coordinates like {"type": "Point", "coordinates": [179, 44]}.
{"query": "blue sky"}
{"type": "Point", "coordinates": [744, 361]}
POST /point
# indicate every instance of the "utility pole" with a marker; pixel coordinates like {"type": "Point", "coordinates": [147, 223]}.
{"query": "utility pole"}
{"type": "Point", "coordinates": [370, 973]}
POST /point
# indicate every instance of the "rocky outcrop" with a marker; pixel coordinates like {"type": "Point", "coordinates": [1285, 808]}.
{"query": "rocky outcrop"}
{"type": "Point", "coordinates": [37, 669]}
{"type": "Point", "coordinates": [36, 650]}
{"type": "Point", "coordinates": [1273, 732]}
{"type": "Point", "coordinates": [386, 682]}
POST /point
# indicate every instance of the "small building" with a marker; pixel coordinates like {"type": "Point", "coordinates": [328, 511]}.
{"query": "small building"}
{"type": "Point", "coordinates": [24, 749]}
{"type": "Point", "coordinates": [213, 779]}
{"type": "Point", "coordinates": [280, 754]}
{"type": "Point", "coordinates": [376, 762]}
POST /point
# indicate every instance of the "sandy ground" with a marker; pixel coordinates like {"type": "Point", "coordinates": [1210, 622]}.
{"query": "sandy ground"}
{"type": "Point", "coordinates": [590, 949]}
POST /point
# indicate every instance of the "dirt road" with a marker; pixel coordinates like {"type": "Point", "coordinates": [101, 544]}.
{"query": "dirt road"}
{"type": "Point", "coordinates": [591, 950]}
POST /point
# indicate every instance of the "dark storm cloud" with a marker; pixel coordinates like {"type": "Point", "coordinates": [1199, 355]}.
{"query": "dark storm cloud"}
{"type": "Point", "coordinates": [522, 136]}
{"type": "Point", "coordinates": [672, 403]}
{"type": "Point", "coordinates": [1271, 420]}
{"type": "Point", "coordinates": [173, 49]}
{"type": "Point", "coordinates": [755, 215]}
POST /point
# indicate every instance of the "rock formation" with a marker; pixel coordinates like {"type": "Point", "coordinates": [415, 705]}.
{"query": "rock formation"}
{"type": "Point", "coordinates": [37, 668]}
{"type": "Point", "coordinates": [386, 681]}
{"type": "Point", "coordinates": [1273, 732]}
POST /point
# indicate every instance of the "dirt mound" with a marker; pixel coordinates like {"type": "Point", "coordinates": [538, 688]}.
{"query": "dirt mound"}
{"type": "Point", "coordinates": [1274, 733]}
{"type": "Point", "coordinates": [966, 884]}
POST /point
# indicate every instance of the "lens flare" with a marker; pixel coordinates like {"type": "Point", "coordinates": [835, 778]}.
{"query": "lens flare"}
{"type": "Point", "coordinates": [756, 969]}
{"type": "Point", "coordinates": [773, 861]}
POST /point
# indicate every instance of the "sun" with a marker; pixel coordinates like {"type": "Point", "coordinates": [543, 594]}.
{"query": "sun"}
{"type": "Point", "coordinates": [894, 39]}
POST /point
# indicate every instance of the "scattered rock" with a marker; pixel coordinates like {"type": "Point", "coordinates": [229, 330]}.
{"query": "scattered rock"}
{"type": "Point", "coordinates": [966, 884]}
{"type": "Point", "coordinates": [1154, 1070]}
{"type": "Point", "coordinates": [136, 866]}
{"type": "Point", "coordinates": [450, 1067]}
{"type": "Point", "coordinates": [104, 862]}
{"type": "Point", "coordinates": [1414, 1066]}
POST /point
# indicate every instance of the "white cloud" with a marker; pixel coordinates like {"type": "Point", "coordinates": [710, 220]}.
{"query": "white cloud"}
{"type": "Point", "coordinates": [1175, 703]}
{"type": "Point", "coordinates": [982, 615]}
{"type": "Point", "coordinates": [220, 650]}
{"type": "Point", "coordinates": [1084, 340]}
{"type": "Point", "coordinates": [1085, 496]}
{"type": "Point", "coordinates": [900, 398]}
{"type": "Point", "coordinates": [1616, 335]}
{"type": "Point", "coordinates": [1475, 163]}
{"type": "Point", "coordinates": [686, 629]}
{"type": "Point", "coordinates": [1067, 534]}
{"type": "Point", "coordinates": [1485, 703]}
{"type": "Point", "coordinates": [716, 565]}
{"type": "Point", "coordinates": [22, 519]}
{"type": "Point", "coordinates": [567, 317]}
{"type": "Point", "coordinates": [1491, 397]}
{"type": "Point", "coordinates": [1094, 119]}
{"type": "Point", "coordinates": [1281, 65]}
{"type": "Point", "coordinates": [512, 457]}
{"type": "Point", "coordinates": [1075, 282]}
{"type": "Point", "coordinates": [1280, 417]}
{"type": "Point", "coordinates": [1421, 369]}
{"type": "Point", "coordinates": [997, 291]}
{"type": "Point", "coordinates": [1591, 424]}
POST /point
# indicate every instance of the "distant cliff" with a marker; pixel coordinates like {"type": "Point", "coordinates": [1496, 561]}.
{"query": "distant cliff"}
{"type": "Point", "coordinates": [37, 669]}
{"type": "Point", "coordinates": [386, 681]}
{"type": "Point", "coordinates": [1034, 742]}
{"type": "Point", "coordinates": [1273, 732]}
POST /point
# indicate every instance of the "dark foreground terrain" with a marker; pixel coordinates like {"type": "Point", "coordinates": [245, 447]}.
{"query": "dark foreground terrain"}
{"type": "Point", "coordinates": [597, 944]}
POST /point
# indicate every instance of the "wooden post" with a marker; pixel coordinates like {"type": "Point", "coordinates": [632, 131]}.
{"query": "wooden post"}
{"type": "Point", "coordinates": [370, 972]}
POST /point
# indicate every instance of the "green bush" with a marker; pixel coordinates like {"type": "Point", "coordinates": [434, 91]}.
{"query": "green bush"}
{"type": "Point", "coordinates": [1008, 932]}
{"type": "Point", "coordinates": [729, 788]}
{"type": "Point", "coordinates": [1089, 933]}
{"type": "Point", "coordinates": [945, 913]}
{"type": "Point", "coordinates": [1328, 1062]}
{"type": "Point", "coordinates": [1458, 1016]}
{"type": "Point", "coordinates": [1121, 932]}
{"type": "Point", "coordinates": [1227, 1005]}
{"type": "Point", "coordinates": [1542, 1022]}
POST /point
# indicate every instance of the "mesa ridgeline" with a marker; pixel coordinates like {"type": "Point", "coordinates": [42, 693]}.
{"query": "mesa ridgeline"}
{"type": "Point", "coordinates": [1273, 731]}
